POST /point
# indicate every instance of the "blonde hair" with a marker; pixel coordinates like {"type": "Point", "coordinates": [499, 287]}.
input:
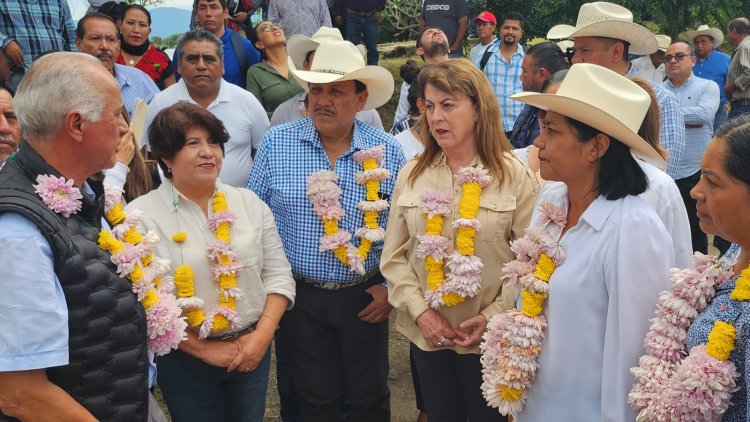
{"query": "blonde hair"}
{"type": "Point", "coordinates": [460, 76]}
{"type": "Point", "coordinates": [650, 127]}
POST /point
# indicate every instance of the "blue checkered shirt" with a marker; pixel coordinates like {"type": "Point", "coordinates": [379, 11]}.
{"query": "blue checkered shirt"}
{"type": "Point", "coordinates": [291, 152]}
{"type": "Point", "coordinates": [672, 124]}
{"type": "Point", "coordinates": [37, 26]}
{"type": "Point", "coordinates": [134, 84]}
{"type": "Point", "coordinates": [505, 79]}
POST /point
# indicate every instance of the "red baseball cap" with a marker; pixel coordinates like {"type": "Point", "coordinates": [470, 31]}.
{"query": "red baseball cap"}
{"type": "Point", "coordinates": [485, 16]}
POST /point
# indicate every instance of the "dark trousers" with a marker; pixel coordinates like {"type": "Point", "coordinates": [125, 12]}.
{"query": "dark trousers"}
{"type": "Point", "coordinates": [700, 240]}
{"type": "Point", "coordinates": [451, 386]}
{"type": "Point", "coordinates": [367, 27]}
{"type": "Point", "coordinates": [329, 347]}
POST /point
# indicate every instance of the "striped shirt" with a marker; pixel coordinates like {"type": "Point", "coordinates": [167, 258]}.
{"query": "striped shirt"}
{"type": "Point", "coordinates": [134, 84]}
{"type": "Point", "coordinates": [739, 71]}
{"type": "Point", "coordinates": [37, 26]}
{"type": "Point", "coordinates": [505, 79]}
{"type": "Point", "coordinates": [291, 152]}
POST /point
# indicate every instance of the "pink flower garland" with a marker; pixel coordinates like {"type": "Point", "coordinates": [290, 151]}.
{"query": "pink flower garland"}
{"type": "Point", "coordinates": [669, 386]}
{"type": "Point", "coordinates": [59, 194]}
{"type": "Point", "coordinates": [164, 325]}
{"type": "Point", "coordinates": [513, 339]}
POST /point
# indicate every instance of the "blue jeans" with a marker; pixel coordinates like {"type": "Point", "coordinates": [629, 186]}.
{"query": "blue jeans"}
{"type": "Point", "coordinates": [720, 117]}
{"type": "Point", "coordinates": [367, 25]}
{"type": "Point", "coordinates": [455, 54]}
{"type": "Point", "coordinates": [737, 111]}
{"type": "Point", "coordinates": [198, 392]}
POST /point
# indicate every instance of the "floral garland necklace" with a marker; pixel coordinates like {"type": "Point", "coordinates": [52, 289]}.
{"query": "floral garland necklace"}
{"type": "Point", "coordinates": [224, 269]}
{"type": "Point", "coordinates": [132, 253]}
{"type": "Point", "coordinates": [670, 386]}
{"type": "Point", "coordinates": [513, 339]}
{"type": "Point", "coordinates": [464, 278]}
{"type": "Point", "coordinates": [325, 195]}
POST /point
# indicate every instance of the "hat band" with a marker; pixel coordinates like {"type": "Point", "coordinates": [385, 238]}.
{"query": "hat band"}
{"type": "Point", "coordinates": [335, 72]}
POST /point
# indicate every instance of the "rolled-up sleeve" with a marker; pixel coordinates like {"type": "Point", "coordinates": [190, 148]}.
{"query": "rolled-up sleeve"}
{"type": "Point", "coordinates": [34, 316]}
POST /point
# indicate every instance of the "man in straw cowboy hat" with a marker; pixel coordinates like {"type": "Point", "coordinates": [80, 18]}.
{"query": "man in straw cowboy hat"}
{"type": "Point", "coordinates": [604, 35]}
{"type": "Point", "coordinates": [711, 63]}
{"type": "Point", "coordinates": [737, 87]}
{"type": "Point", "coordinates": [617, 250]}
{"type": "Point", "coordinates": [651, 67]}
{"type": "Point", "coordinates": [313, 173]}
{"type": "Point", "coordinates": [301, 50]}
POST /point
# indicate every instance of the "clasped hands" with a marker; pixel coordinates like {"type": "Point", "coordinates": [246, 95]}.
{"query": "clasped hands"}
{"type": "Point", "coordinates": [439, 333]}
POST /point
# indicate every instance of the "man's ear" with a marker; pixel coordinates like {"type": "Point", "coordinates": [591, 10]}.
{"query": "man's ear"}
{"type": "Point", "coordinates": [362, 100]}
{"type": "Point", "coordinates": [74, 125]}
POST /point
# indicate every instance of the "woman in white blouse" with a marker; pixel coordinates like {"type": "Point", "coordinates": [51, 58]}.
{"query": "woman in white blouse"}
{"type": "Point", "coordinates": [616, 250]}
{"type": "Point", "coordinates": [232, 279]}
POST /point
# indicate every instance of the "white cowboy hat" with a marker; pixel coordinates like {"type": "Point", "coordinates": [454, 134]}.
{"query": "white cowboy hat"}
{"type": "Point", "coordinates": [664, 41]}
{"type": "Point", "coordinates": [298, 45]}
{"type": "Point", "coordinates": [714, 33]}
{"type": "Point", "coordinates": [604, 100]}
{"type": "Point", "coordinates": [336, 61]}
{"type": "Point", "coordinates": [602, 19]}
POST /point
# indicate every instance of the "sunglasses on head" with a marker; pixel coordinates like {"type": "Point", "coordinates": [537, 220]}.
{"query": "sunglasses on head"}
{"type": "Point", "coordinates": [269, 27]}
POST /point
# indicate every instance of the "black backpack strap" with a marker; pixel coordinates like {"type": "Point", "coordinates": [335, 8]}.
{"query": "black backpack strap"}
{"type": "Point", "coordinates": [239, 51]}
{"type": "Point", "coordinates": [486, 56]}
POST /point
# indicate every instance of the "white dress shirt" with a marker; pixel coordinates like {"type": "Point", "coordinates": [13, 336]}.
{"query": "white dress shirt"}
{"type": "Point", "coordinates": [254, 239]}
{"type": "Point", "coordinates": [598, 310]}
{"type": "Point", "coordinates": [645, 69]}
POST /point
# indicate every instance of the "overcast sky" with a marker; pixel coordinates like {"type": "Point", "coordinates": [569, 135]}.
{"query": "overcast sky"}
{"type": "Point", "coordinates": [78, 7]}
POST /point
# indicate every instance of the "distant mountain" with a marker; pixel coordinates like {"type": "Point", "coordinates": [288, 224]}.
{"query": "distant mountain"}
{"type": "Point", "coordinates": [166, 21]}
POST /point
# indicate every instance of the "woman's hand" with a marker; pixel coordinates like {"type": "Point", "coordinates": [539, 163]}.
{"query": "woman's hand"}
{"type": "Point", "coordinates": [126, 147]}
{"type": "Point", "coordinates": [472, 330]}
{"type": "Point", "coordinates": [252, 348]}
{"type": "Point", "coordinates": [379, 309]}
{"type": "Point", "coordinates": [435, 327]}
{"type": "Point", "coordinates": [218, 353]}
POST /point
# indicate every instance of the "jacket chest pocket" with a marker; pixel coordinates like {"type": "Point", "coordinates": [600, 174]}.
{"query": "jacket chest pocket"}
{"type": "Point", "coordinates": [408, 206]}
{"type": "Point", "coordinates": [496, 217]}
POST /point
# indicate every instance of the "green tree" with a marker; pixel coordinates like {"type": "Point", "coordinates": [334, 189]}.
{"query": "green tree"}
{"type": "Point", "coordinates": [400, 20]}
{"type": "Point", "coordinates": [145, 3]}
{"type": "Point", "coordinates": [166, 42]}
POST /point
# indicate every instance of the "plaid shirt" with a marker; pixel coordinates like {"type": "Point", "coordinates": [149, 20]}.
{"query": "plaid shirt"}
{"type": "Point", "coordinates": [37, 26]}
{"type": "Point", "coordinates": [505, 79]}
{"type": "Point", "coordinates": [291, 152]}
{"type": "Point", "coordinates": [671, 123]}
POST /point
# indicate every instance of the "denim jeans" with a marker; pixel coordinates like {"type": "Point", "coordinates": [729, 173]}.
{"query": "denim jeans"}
{"type": "Point", "coordinates": [367, 25]}
{"type": "Point", "coordinates": [720, 117]}
{"type": "Point", "coordinates": [198, 392]}
{"type": "Point", "coordinates": [737, 111]}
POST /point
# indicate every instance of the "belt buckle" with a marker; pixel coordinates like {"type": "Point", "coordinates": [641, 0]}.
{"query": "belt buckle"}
{"type": "Point", "coordinates": [235, 335]}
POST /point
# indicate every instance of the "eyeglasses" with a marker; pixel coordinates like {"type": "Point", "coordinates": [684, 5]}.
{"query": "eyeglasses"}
{"type": "Point", "coordinates": [679, 56]}
{"type": "Point", "coordinates": [270, 27]}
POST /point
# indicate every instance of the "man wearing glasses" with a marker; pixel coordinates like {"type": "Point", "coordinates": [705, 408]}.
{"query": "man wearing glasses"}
{"type": "Point", "coordinates": [699, 100]}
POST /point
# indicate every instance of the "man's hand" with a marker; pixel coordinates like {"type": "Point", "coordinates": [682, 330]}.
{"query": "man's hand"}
{"type": "Point", "coordinates": [474, 328]}
{"type": "Point", "coordinates": [339, 20]}
{"type": "Point", "coordinates": [379, 309]}
{"type": "Point", "coordinates": [14, 54]}
{"type": "Point", "coordinates": [240, 16]}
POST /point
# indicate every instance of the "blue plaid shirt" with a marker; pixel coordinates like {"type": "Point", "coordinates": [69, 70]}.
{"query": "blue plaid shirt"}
{"type": "Point", "coordinates": [505, 79]}
{"type": "Point", "coordinates": [37, 26]}
{"type": "Point", "coordinates": [134, 84]}
{"type": "Point", "coordinates": [672, 124]}
{"type": "Point", "coordinates": [291, 152]}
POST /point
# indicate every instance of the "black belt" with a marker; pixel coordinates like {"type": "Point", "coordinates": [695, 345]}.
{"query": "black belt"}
{"type": "Point", "coordinates": [360, 13]}
{"type": "Point", "coordinates": [234, 336]}
{"type": "Point", "coordinates": [689, 126]}
{"type": "Point", "coordinates": [336, 285]}
{"type": "Point", "coordinates": [737, 103]}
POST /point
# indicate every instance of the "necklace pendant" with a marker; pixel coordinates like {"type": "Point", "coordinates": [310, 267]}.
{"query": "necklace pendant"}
{"type": "Point", "coordinates": [132, 62]}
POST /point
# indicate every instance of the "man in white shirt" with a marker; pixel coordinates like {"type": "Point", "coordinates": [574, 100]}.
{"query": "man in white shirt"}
{"type": "Point", "coordinates": [651, 67]}
{"type": "Point", "coordinates": [201, 65]}
{"type": "Point", "coordinates": [486, 23]}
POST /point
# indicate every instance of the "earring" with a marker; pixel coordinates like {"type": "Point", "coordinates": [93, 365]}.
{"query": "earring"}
{"type": "Point", "coordinates": [169, 170]}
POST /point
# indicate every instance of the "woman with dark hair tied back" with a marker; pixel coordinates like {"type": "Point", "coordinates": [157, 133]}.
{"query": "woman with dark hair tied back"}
{"type": "Point", "coordinates": [455, 208]}
{"type": "Point", "coordinates": [409, 72]}
{"type": "Point", "coordinates": [704, 377]}
{"type": "Point", "coordinates": [591, 264]}
{"type": "Point", "coordinates": [136, 50]}
{"type": "Point", "coordinates": [231, 277]}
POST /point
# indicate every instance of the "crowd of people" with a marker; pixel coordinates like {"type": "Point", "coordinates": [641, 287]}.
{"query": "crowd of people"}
{"type": "Point", "coordinates": [536, 220]}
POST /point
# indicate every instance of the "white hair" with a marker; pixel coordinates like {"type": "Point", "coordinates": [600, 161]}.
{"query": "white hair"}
{"type": "Point", "coordinates": [56, 84]}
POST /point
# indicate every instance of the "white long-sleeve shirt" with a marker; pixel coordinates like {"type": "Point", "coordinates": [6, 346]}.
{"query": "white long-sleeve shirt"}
{"type": "Point", "coordinates": [598, 310]}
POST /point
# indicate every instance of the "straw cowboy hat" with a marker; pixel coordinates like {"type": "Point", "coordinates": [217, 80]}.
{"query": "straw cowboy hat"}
{"type": "Point", "coordinates": [336, 61]}
{"type": "Point", "coordinates": [714, 33]}
{"type": "Point", "coordinates": [604, 100]}
{"type": "Point", "coordinates": [602, 19]}
{"type": "Point", "coordinates": [664, 41]}
{"type": "Point", "coordinates": [297, 46]}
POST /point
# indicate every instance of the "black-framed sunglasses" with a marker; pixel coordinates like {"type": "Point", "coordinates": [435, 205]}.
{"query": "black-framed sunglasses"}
{"type": "Point", "coordinates": [270, 27]}
{"type": "Point", "coordinates": [679, 56]}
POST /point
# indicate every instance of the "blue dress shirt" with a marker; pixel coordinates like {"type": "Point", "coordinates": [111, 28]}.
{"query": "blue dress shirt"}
{"type": "Point", "coordinates": [714, 67]}
{"type": "Point", "coordinates": [288, 155]}
{"type": "Point", "coordinates": [134, 84]}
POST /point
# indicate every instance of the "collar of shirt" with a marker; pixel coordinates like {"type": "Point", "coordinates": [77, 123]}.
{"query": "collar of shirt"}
{"type": "Point", "coordinates": [598, 212]}
{"type": "Point", "coordinates": [172, 198]}
{"type": "Point", "coordinates": [442, 161]}
{"type": "Point", "coordinates": [687, 83]}
{"type": "Point", "coordinates": [518, 53]}
{"type": "Point", "coordinates": [308, 133]}
{"type": "Point", "coordinates": [184, 95]}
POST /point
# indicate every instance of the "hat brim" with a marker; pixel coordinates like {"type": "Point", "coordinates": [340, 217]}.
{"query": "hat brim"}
{"type": "Point", "coordinates": [297, 47]}
{"type": "Point", "coordinates": [714, 33]}
{"type": "Point", "coordinates": [641, 40]}
{"type": "Point", "coordinates": [378, 79]}
{"type": "Point", "coordinates": [596, 118]}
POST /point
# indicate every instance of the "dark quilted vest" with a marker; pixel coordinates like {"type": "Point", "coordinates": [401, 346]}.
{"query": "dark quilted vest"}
{"type": "Point", "coordinates": [108, 369]}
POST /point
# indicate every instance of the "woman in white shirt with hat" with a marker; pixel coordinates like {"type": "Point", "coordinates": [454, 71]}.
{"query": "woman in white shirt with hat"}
{"type": "Point", "coordinates": [592, 262]}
